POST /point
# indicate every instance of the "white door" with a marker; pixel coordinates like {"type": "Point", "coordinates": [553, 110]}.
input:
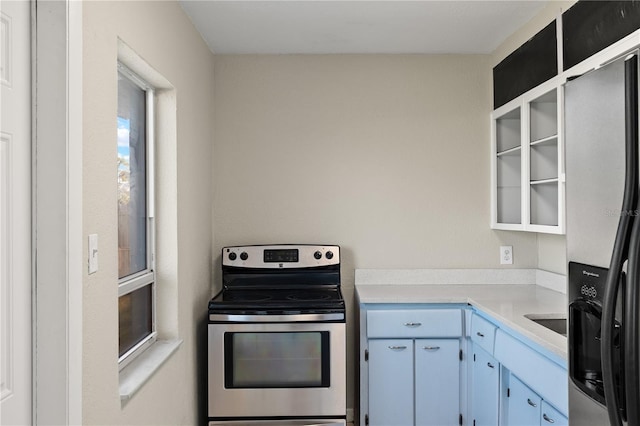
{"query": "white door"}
{"type": "Point", "coordinates": [15, 212]}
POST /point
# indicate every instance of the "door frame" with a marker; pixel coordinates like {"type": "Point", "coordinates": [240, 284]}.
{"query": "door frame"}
{"type": "Point", "coordinates": [57, 211]}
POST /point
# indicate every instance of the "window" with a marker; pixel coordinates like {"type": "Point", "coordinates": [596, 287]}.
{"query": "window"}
{"type": "Point", "coordinates": [136, 250]}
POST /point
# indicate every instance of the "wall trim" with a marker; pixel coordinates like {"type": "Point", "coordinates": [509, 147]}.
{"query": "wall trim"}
{"type": "Point", "coordinates": [58, 265]}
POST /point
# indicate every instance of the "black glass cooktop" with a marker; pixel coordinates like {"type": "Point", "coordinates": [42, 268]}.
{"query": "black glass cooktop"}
{"type": "Point", "coordinates": [303, 280]}
{"type": "Point", "coordinates": [265, 300]}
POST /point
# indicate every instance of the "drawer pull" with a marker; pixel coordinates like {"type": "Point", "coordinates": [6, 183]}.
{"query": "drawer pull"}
{"type": "Point", "coordinates": [480, 334]}
{"type": "Point", "coordinates": [397, 348]}
{"type": "Point", "coordinates": [431, 348]}
{"type": "Point", "coordinates": [548, 419]}
{"type": "Point", "coordinates": [490, 365]}
{"type": "Point", "coordinates": [413, 324]}
{"type": "Point", "coordinates": [531, 403]}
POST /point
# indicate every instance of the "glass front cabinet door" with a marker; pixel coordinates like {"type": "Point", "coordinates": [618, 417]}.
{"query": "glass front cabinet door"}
{"type": "Point", "coordinates": [527, 162]}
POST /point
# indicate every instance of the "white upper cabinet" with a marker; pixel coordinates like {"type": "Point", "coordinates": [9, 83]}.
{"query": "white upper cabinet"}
{"type": "Point", "coordinates": [528, 163]}
{"type": "Point", "coordinates": [527, 166]}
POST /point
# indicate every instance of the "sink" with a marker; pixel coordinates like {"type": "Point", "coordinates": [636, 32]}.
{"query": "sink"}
{"type": "Point", "coordinates": [555, 323]}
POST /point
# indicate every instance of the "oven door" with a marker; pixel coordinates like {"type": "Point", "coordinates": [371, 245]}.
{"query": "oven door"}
{"type": "Point", "coordinates": [268, 370]}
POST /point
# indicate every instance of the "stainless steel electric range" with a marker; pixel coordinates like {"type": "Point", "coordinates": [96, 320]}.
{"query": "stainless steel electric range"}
{"type": "Point", "coordinates": [276, 338]}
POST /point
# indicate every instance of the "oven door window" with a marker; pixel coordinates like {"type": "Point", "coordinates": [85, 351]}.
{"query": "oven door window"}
{"type": "Point", "coordinates": [277, 360]}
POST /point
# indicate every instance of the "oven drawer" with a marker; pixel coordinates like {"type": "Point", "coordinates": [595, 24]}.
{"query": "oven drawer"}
{"type": "Point", "coordinates": [414, 323]}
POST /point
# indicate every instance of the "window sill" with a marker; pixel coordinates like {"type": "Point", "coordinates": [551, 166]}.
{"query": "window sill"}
{"type": "Point", "coordinates": [136, 374]}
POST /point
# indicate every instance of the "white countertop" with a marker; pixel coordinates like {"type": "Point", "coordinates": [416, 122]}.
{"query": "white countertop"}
{"type": "Point", "coordinates": [507, 303]}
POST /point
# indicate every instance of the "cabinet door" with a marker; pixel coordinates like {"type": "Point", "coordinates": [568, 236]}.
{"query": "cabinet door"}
{"type": "Point", "coordinates": [544, 167]}
{"type": "Point", "coordinates": [437, 375]}
{"type": "Point", "coordinates": [484, 388]}
{"type": "Point", "coordinates": [507, 179]}
{"type": "Point", "coordinates": [524, 405]}
{"type": "Point", "coordinates": [551, 416]}
{"type": "Point", "coordinates": [391, 382]}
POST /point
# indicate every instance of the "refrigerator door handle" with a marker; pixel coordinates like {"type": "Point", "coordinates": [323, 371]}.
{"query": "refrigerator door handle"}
{"type": "Point", "coordinates": [630, 330]}
{"type": "Point", "coordinates": [621, 249]}
{"type": "Point", "coordinates": [631, 303]}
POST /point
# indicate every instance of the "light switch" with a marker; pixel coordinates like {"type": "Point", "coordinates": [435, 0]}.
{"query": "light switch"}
{"type": "Point", "coordinates": [93, 253]}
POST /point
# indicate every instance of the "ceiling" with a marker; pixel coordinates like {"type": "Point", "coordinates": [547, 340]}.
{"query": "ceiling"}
{"type": "Point", "coordinates": [357, 26]}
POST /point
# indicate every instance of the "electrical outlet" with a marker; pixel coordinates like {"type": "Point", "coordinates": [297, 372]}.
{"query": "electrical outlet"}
{"type": "Point", "coordinates": [506, 255]}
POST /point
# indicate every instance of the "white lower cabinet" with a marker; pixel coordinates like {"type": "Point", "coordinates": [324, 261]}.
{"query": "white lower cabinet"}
{"type": "Point", "coordinates": [526, 408]}
{"type": "Point", "coordinates": [437, 375]}
{"type": "Point", "coordinates": [523, 405]}
{"type": "Point", "coordinates": [446, 366]}
{"type": "Point", "coordinates": [391, 382]}
{"type": "Point", "coordinates": [485, 388]}
{"type": "Point", "coordinates": [551, 416]}
{"type": "Point", "coordinates": [414, 382]}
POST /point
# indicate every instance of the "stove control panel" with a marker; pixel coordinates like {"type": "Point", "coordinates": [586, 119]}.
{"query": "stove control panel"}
{"type": "Point", "coordinates": [281, 256]}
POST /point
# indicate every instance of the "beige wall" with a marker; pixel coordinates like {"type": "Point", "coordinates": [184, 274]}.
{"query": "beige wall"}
{"type": "Point", "coordinates": [385, 155]}
{"type": "Point", "coordinates": [551, 253]}
{"type": "Point", "coordinates": [162, 35]}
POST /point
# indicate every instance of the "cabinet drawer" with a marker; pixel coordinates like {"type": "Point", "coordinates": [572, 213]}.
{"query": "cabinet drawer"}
{"type": "Point", "coordinates": [483, 332]}
{"type": "Point", "coordinates": [551, 416]}
{"type": "Point", "coordinates": [414, 323]}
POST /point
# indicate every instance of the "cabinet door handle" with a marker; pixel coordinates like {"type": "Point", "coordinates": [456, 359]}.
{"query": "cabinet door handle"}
{"type": "Point", "coordinates": [480, 334]}
{"type": "Point", "coordinates": [531, 403]}
{"type": "Point", "coordinates": [490, 365]}
{"type": "Point", "coordinates": [431, 348]}
{"type": "Point", "coordinates": [548, 419]}
{"type": "Point", "coordinates": [413, 324]}
{"type": "Point", "coordinates": [397, 348]}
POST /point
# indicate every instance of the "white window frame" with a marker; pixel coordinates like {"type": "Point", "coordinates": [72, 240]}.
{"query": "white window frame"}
{"type": "Point", "coordinates": [148, 276]}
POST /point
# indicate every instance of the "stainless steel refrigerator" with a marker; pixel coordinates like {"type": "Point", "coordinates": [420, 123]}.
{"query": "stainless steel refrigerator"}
{"type": "Point", "coordinates": [603, 244]}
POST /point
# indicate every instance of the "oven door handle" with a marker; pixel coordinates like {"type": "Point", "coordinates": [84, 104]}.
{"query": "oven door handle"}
{"type": "Point", "coordinates": [337, 316]}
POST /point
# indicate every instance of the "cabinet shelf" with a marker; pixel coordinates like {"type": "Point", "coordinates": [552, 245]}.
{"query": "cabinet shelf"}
{"type": "Point", "coordinates": [514, 150]}
{"type": "Point", "coordinates": [543, 181]}
{"type": "Point", "coordinates": [548, 139]}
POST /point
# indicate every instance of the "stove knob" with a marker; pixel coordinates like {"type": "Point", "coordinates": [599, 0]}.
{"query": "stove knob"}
{"type": "Point", "coordinates": [244, 255]}
{"type": "Point", "coordinates": [317, 255]}
{"type": "Point", "coordinates": [232, 256]}
{"type": "Point", "coordinates": [329, 255]}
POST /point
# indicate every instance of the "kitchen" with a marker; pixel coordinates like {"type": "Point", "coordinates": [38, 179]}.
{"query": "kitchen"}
{"type": "Point", "coordinates": [386, 155]}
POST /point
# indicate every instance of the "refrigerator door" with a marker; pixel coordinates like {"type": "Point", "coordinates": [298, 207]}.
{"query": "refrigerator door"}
{"type": "Point", "coordinates": [595, 163]}
{"type": "Point", "coordinates": [595, 177]}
